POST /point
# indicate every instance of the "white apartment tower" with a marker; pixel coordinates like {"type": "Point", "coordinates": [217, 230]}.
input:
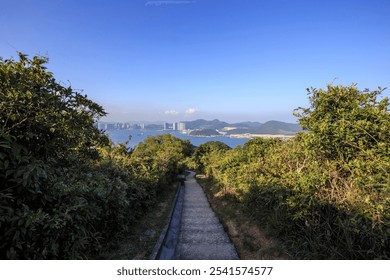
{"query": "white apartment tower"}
{"type": "Point", "coordinates": [181, 126]}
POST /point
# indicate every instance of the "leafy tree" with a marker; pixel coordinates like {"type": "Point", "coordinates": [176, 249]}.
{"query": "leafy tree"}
{"type": "Point", "coordinates": [344, 122]}
{"type": "Point", "coordinates": [44, 116]}
{"type": "Point", "coordinates": [325, 191]}
{"type": "Point", "coordinates": [65, 189]}
{"type": "Point", "coordinates": [162, 157]}
{"type": "Point", "coordinates": [202, 154]}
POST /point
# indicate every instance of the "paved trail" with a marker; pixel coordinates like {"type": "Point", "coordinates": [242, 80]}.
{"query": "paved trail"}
{"type": "Point", "coordinates": [202, 236]}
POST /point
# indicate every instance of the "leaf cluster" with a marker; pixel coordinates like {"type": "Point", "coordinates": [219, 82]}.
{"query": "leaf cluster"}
{"type": "Point", "coordinates": [326, 191]}
{"type": "Point", "coordinates": [65, 189]}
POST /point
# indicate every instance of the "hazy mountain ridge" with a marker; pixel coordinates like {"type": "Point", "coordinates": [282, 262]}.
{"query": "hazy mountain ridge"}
{"type": "Point", "coordinates": [204, 124]}
{"type": "Point", "coordinates": [213, 127]}
{"type": "Point", "coordinates": [270, 127]}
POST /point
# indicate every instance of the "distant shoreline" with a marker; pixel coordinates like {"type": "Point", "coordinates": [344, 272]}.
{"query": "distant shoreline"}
{"type": "Point", "coordinates": [239, 136]}
{"type": "Point", "coordinates": [267, 136]}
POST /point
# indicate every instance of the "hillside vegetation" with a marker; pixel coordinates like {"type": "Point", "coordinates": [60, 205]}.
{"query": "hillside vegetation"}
{"type": "Point", "coordinates": [65, 189]}
{"type": "Point", "coordinates": [326, 192]}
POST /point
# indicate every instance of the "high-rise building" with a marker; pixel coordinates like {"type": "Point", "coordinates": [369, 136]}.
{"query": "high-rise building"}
{"type": "Point", "coordinates": [181, 126]}
{"type": "Point", "coordinates": [175, 126]}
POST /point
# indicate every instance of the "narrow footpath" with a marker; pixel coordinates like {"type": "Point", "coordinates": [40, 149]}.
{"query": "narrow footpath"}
{"type": "Point", "coordinates": [202, 236]}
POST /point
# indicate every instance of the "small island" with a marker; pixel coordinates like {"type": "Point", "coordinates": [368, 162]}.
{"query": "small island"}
{"type": "Point", "coordinates": [205, 133]}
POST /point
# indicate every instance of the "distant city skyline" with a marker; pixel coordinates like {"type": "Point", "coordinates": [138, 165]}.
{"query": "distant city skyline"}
{"type": "Point", "coordinates": [233, 60]}
{"type": "Point", "coordinates": [177, 116]}
{"type": "Point", "coordinates": [162, 122]}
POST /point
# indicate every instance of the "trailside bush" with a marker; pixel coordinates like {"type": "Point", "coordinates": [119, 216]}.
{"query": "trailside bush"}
{"type": "Point", "coordinates": [65, 189]}
{"type": "Point", "coordinates": [327, 190]}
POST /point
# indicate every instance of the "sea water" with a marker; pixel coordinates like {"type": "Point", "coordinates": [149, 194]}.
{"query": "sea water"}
{"type": "Point", "coordinates": [137, 136]}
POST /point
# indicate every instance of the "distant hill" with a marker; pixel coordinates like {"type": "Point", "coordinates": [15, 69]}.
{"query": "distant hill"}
{"type": "Point", "coordinates": [216, 127]}
{"type": "Point", "coordinates": [205, 132]}
{"type": "Point", "coordinates": [270, 127]}
{"type": "Point", "coordinates": [203, 124]}
{"type": "Point", "coordinates": [280, 127]}
{"type": "Point", "coordinates": [246, 125]}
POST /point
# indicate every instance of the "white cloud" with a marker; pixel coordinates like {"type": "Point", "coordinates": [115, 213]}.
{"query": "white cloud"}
{"type": "Point", "coordinates": [191, 111]}
{"type": "Point", "coordinates": [171, 112]}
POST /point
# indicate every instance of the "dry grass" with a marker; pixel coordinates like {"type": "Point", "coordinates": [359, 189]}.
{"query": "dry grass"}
{"type": "Point", "coordinates": [252, 241]}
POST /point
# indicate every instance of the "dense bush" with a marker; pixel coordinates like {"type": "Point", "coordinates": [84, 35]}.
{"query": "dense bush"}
{"type": "Point", "coordinates": [64, 188]}
{"type": "Point", "coordinates": [161, 158]}
{"type": "Point", "coordinates": [202, 156]}
{"type": "Point", "coordinates": [326, 191]}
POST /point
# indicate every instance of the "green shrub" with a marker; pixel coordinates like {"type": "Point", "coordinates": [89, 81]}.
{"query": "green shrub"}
{"type": "Point", "coordinates": [326, 191]}
{"type": "Point", "coordinates": [65, 189]}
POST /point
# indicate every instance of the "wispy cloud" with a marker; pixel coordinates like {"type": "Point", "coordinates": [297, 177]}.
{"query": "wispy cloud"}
{"type": "Point", "coordinates": [171, 112]}
{"type": "Point", "coordinates": [191, 111]}
{"type": "Point", "coordinates": [169, 2]}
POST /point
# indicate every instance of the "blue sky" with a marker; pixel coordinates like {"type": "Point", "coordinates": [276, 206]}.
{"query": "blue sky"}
{"type": "Point", "coordinates": [235, 60]}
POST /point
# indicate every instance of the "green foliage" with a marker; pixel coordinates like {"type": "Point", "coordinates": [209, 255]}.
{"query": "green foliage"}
{"type": "Point", "coordinates": [46, 117]}
{"type": "Point", "coordinates": [326, 191]}
{"type": "Point", "coordinates": [346, 123]}
{"type": "Point", "coordinates": [201, 156]}
{"type": "Point", "coordinates": [64, 188]}
{"type": "Point", "coordinates": [162, 157]}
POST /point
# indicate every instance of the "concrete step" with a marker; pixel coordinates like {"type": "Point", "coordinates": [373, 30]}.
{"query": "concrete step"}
{"type": "Point", "coordinates": [198, 213]}
{"type": "Point", "coordinates": [201, 226]}
{"type": "Point", "coordinates": [203, 237]}
{"type": "Point", "coordinates": [201, 220]}
{"type": "Point", "coordinates": [206, 252]}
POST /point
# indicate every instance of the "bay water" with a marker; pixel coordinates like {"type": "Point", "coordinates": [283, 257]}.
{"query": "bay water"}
{"type": "Point", "coordinates": [137, 136]}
